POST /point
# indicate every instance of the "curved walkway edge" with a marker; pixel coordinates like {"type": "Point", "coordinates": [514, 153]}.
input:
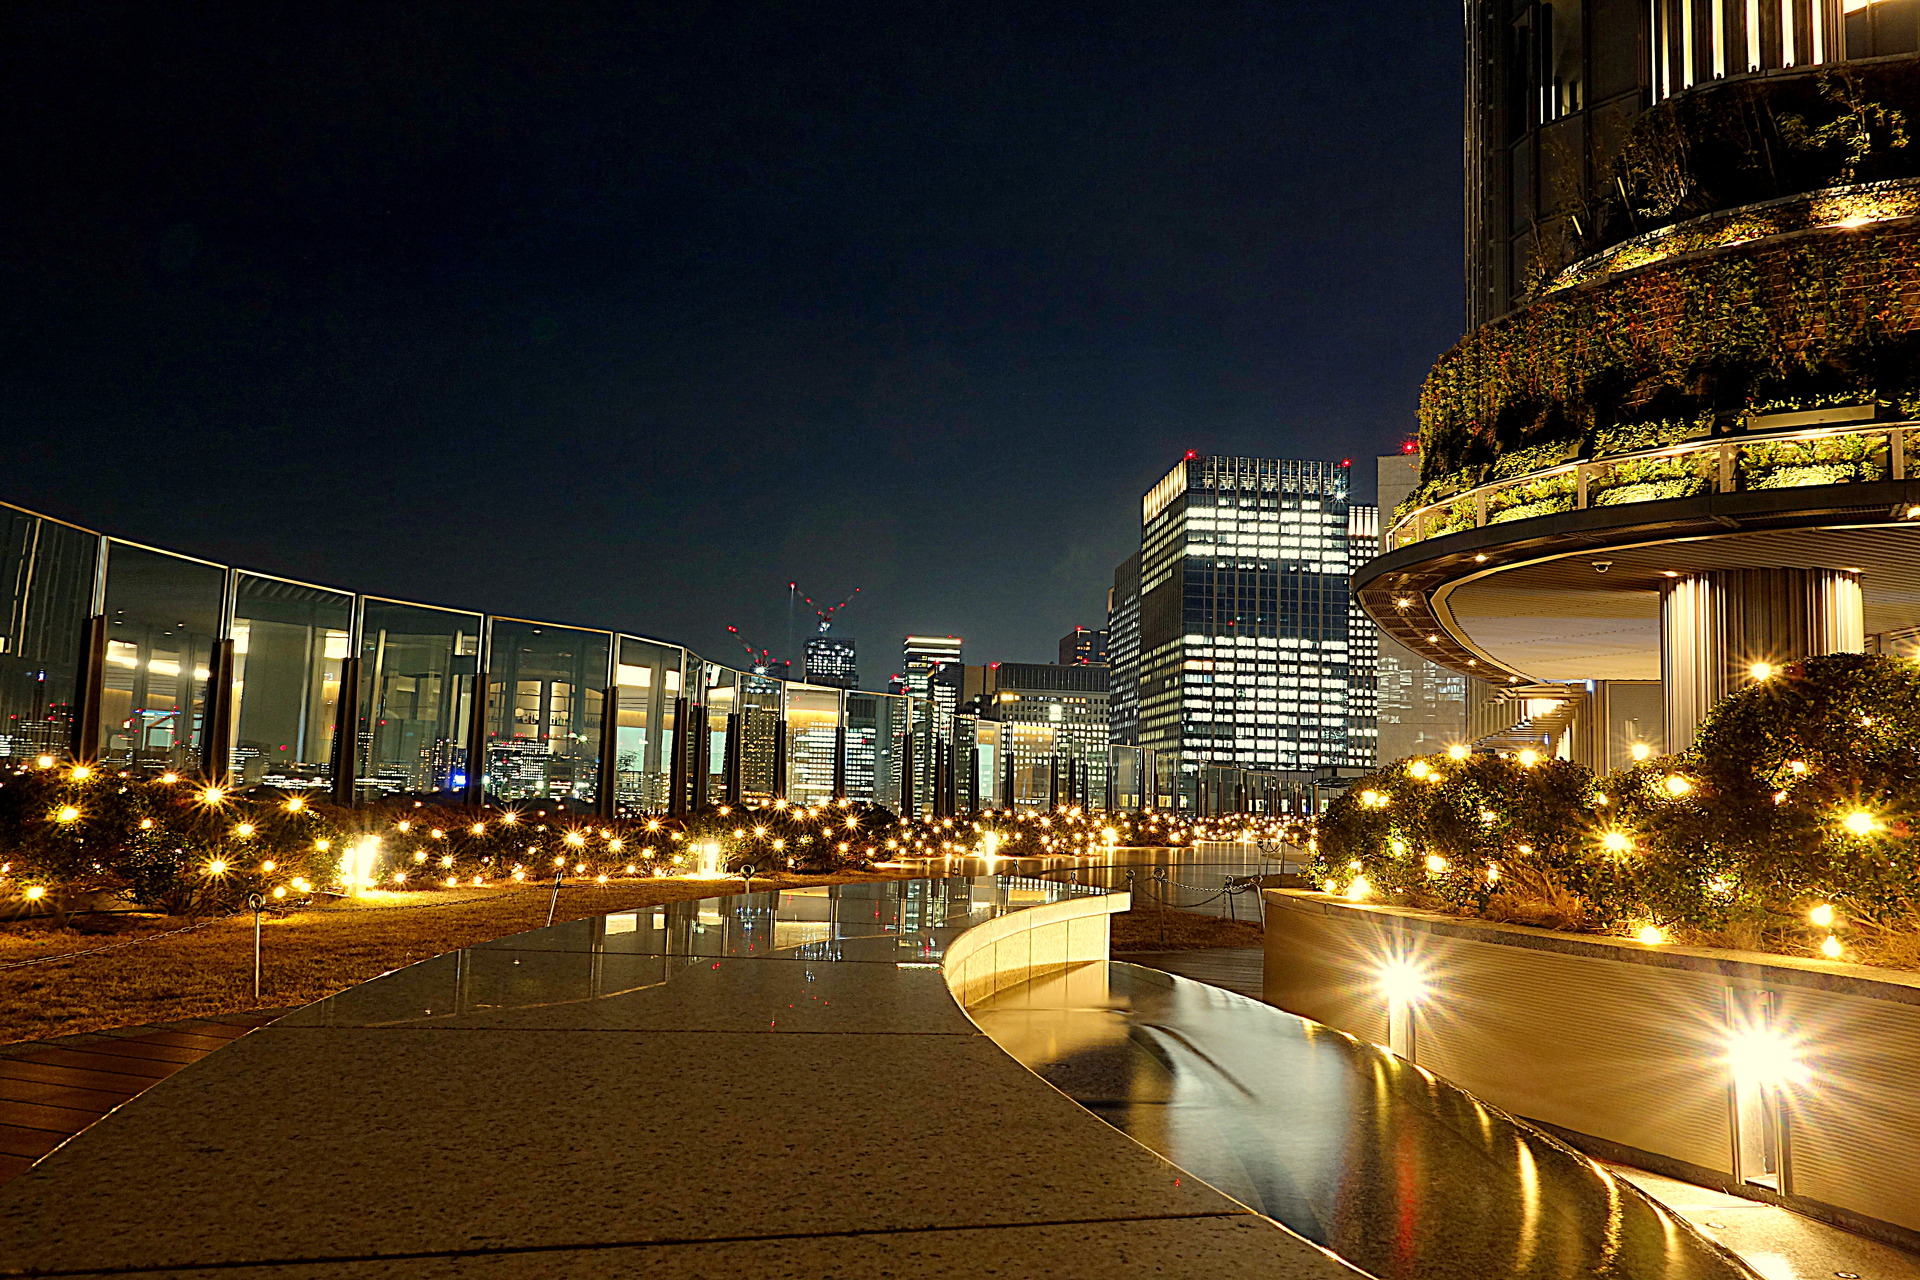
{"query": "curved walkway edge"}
{"type": "Point", "coordinates": [766, 1085]}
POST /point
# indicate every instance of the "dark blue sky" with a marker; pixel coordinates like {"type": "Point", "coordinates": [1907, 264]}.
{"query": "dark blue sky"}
{"type": "Point", "coordinates": [629, 314]}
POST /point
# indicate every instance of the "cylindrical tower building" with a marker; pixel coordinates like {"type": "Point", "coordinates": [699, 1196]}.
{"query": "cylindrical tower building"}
{"type": "Point", "coordinates": [1674, 447]}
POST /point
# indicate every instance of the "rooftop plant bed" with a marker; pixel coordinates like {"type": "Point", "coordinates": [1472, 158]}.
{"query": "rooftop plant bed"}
{"type": "Point", "coordinates": [1748, 141]}
{"type": "Point", "coordinates": [1786, 828]}
{"type": "Point", "coordinates": [1672, 352]}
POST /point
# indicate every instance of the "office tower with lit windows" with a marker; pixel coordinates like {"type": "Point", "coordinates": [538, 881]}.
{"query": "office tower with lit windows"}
{"type": "Point", "coordinates": [1054, 730]}
{"type": "Point", "coordinates": [1363, 649]}
{"type": "Point", "coordinates": [1123, 651]}
{"type": "Point", "coordinates": [924, 655]}
{"type": "Point", "coordinates": [1083, 645]}
{"type": "Point", "coordinates": [1245, 616]}
{"type": "Point", "coordinates": [831, 661]}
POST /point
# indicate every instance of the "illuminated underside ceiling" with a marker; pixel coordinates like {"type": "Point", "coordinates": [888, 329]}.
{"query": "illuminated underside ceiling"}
{"type": "Point", "coordinates": [1560, 619]}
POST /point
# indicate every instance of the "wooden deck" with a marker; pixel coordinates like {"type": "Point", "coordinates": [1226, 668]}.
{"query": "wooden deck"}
{"type": "Point", "coordinates": [51, 1090]}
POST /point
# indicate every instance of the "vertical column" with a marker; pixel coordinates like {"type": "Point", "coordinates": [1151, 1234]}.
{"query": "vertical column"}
{"type": "Point", "coordinates": [88, 688]}
{"type": "Point", "coordinates": [730, 762]}
{"type": "Point", "coordinates": [606, 801]}
{"type": "Point", "coordinates": [475, 792]}
{"type": "Point", "coordinates": [216, 726]}
{"type": "Point", "coordinates": [677, 762]}
{"type": "Point", "coordinates": [346, 731]}
{"type": "Point", "coordinates": [840, 758]}
{"type": "Point", "coordinates": [780, 765]}
{"type": "Point", "coordinates": [973, 778]}
{"type": "Point", "coordinates": [908, 809]}
{"type": "Point", "coordinates": [1717, 624]}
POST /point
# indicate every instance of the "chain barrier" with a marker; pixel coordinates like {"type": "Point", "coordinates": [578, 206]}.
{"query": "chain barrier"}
{"type": "Point", "coordinates": [213, 920]}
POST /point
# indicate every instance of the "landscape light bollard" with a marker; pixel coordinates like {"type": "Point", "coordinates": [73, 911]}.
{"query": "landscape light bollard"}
{"type": "Point", "coordinates": [554, 901]}
{"type": "Point", "coordinates": [255, 901]}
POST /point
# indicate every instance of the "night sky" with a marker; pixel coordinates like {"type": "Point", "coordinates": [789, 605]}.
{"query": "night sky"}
{"type": "Point", "coordinates": [628, 314]}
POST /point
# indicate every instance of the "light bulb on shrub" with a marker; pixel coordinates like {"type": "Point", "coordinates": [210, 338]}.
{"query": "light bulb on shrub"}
{"type": "Point", "coordinates": [1822, 915]}
{"type": "Point", "coordinates": [1830, 947]}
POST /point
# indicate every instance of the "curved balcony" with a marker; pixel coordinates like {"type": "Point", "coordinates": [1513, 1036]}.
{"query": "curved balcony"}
{"type": "Point", "coordinates": [1555, 575]}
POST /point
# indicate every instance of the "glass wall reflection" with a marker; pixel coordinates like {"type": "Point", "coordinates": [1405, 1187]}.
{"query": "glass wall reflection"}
{"type": "Point", "coordinates": [164, 616]}
{"type": "Point", "coordinates": [269, 681]}
{"type": "Point", "coordinates": [290, 646]}
{"type": "Point", "coordinates": [648, 677]}
{"type": "Point", "coordinates": [47, 569]}
{"type": "Point", "coordinates": [546, 687]}
{"type": "Point", "coordinates": [419, 668]}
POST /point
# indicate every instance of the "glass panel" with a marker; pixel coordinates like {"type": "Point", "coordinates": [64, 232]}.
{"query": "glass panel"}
{"type": "Point", "coordinates": [416, 677]}
{"type": "Point", "coordinates": [163, 617]}
{"type": "Point", "coordinates": [644, 736]}
{"type": "Point", "coordinates": [46, 569]}
{"type": "Point", "coordinates": [545, 687]}
{"type": "Point", "coordinates": [289, 645]}
{"type": "Point", "coordinates": [813, 716]}
{"type": "Point", "coordinates": [722, 690]}
{"type": "Point", "coordinates": [875, 722]}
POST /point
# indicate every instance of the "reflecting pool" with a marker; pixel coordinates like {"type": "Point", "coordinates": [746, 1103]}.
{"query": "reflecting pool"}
{"type": "Point", "coordinates": [1359, 1151]}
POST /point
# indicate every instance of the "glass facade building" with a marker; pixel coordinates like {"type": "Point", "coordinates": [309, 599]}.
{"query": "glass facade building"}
{"type": "Point", "coordinates": [1245, 648]}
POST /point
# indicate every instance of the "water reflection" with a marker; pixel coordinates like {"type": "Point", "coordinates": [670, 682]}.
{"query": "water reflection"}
{"type": "Point", "coordinates": [1360, 1151]}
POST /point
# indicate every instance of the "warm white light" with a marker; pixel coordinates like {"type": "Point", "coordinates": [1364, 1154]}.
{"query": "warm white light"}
{"type": "Point", "coordinates": [1676, 785]}
{"type": "Point", "coordinates": [1528, 758]}
{"type": "Point", "coordinates": [1830, 947]}
{"type": "Point", "coordinates": [1822, 915]}
{"type": "Point", "coordinates": [212, 795]}
{"type": "Point", "coordinates": [35, 892]}
{"type": "Point", "coordinates": [1458, 751]}
{"type": "Point", "coordinates": [1650, 934]}
{"type": "Point", "coordinates": [1640, 751]}
{"type": "Point", "coordinates": [81, 773]}
{"type": "Point", "coordinates": [1419, 769]}
{"type": "Point", "coordinates": [1436, 864]}
{"type": "Point", "coordinates": [296, 803]}
{"type": "Point", "coordinates": [1402, 982]}
{"type": "Point", "coordinates": [217, 867]}
{"type": "Point", "coordinates": [1359, 889]}
{"type": "Point", "coordinates": [1764, 1057]}
{"type": "Point", "coordinates": [67, 813]}
{"type": "Point", "coordinates": [1762, 670]}
{"type": "Point", "coordinates": [1615, 842]}
{"type": "Point", "coordinates": [1860, 823]}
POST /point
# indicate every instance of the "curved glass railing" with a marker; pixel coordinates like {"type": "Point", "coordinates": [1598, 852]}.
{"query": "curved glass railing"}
{"type": "Point", "coordinates": [138, 657]}
{"type": "Point", "coordinates": [1782, 451]}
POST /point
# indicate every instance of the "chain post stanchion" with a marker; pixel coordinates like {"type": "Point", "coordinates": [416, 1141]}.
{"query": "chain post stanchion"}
{"type": "Point", "coordinates": [553, 903]}
{"type": "Point", "coordinates": [746, 877]}
{"type": "Point", "coordinates": [256, 902]}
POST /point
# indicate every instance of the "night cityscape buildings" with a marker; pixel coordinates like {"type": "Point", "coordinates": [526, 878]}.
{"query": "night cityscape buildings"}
{"type": "Point", "coordinates": [1241, 639]}
{"type": "Point", "coordinates": [831, 659]}
{"type": "Point", "coordinates": [1083, 645]}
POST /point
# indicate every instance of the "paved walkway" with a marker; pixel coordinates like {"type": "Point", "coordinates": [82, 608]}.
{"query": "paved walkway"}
{"type": "Point", "coordinates": [768, 1085]}
{"type": "Point", "coordinates": [52, 1089]}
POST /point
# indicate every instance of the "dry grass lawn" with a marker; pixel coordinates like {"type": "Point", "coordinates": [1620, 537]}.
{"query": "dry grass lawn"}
{"type": "Point", "coordinates": [1155, 928]}
{"type": "Point", "coordinates": [307, 954]}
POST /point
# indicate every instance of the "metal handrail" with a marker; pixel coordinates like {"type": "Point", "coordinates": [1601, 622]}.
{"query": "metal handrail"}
{"type": "Point", "coordinates": [1413, 526]}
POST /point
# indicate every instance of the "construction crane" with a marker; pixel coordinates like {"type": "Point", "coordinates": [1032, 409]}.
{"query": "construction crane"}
{"type": "Point", "coordinates": [760, 661]}
{"type": "Point", "coordinates": [825, 615]}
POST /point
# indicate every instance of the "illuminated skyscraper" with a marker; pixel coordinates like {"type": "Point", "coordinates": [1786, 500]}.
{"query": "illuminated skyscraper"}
{"type": "Point", "coordinates": [923, 656]}
{"type": "Point", "coordinates": [831, 661]}
{"type": "Point", "coordinates": [1245, 615]}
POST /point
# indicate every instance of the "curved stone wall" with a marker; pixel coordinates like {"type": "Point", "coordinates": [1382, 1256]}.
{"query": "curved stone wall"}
{"type": "Point", "coordinates": [1651, 1053]}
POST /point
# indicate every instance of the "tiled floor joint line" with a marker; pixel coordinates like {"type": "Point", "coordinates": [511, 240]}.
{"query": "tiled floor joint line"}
{"type": "Point", "coordinates": [591, 1245]}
